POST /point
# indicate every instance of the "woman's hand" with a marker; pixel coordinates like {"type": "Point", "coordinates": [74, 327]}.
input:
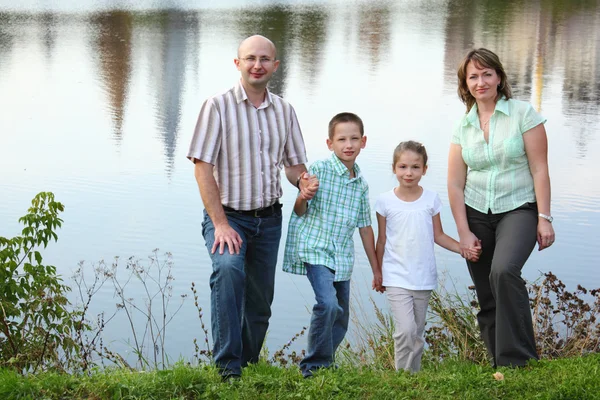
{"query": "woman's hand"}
{"type": "Point", "coordinates": [470, 246]}
{"type": "Point", "coordinates": [545, 234]}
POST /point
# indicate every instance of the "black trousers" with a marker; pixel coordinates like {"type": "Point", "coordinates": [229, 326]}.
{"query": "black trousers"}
{"type": "Point", "coordinates": [507, 240]}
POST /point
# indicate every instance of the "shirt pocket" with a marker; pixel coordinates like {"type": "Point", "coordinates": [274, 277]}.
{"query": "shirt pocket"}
{"type": "Point", "coordinates": [475, 157]}
{"type": "Point", "coordinates": [513, 146]}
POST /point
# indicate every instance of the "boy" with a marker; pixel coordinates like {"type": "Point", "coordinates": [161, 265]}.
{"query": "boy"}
{"type": "Point", "coordinates": [320, 244]}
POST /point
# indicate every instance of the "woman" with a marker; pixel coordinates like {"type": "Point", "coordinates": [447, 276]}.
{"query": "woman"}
{"type": "Point", "coordinates": [499, 193]}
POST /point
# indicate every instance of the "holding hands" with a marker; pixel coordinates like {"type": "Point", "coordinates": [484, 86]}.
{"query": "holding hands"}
{"type": "Point", "coordinates": [470, 247]}
{"type": "Point", "coordinates": [308, 185]}
{"type": "Point", "coordinates": [377, 284]}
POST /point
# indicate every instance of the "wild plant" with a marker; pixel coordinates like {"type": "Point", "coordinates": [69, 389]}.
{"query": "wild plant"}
{"type": "Point", "coordinates": [454, 331]}
{"type": "Point", "coordinates": [284, 357]}
{"type": "Point", "coordinates": [155, 281]}
{"type": "Point", "coordinates": [371, 340]}
{"type": "Point", "coordinates": [36, 323]}
{"type": "Point", "coordinates": [565, 323]}
{"type": "Point", "coordinates": [201, 355]}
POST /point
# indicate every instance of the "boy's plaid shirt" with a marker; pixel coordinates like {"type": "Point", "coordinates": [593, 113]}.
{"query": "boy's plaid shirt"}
{"type": "Point", "coordinates": [324, 234]}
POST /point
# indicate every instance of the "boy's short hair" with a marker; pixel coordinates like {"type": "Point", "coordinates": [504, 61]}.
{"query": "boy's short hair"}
{"type": "Point", "coordinates": [345, 117]}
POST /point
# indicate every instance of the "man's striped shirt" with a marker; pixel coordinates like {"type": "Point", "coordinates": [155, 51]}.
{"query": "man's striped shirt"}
{"type": "Point", "coordinates": [248, 146]}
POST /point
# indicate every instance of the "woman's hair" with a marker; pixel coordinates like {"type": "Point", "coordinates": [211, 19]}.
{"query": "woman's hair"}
{"type": "Point", "coordinates": [409, 145]}
{"type": "Point", "coordinates": [345, 117]}
{"type": "Point", "coordinates": [482, 58]}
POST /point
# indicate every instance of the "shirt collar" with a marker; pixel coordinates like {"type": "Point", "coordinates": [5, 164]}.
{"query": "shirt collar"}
{"type": "Point", "coordinates": [240, 95]}
{"type": "Point", "coordinates": [340, 169]}
{"type": "Point", "coordinates": [501, 106]}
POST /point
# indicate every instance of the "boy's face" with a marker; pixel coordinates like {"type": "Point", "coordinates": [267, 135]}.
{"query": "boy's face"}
{"type": "Point", "coordinates": [347, 142]}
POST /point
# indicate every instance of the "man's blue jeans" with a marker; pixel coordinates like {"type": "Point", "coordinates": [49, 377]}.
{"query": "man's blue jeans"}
{"type": "Point", "coordinates": [242, 287]}
{"type": "Point", "coordinates": [329, 320]}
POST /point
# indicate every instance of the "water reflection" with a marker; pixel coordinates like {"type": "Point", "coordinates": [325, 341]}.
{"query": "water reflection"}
{"type": "Point", "coordinates": [545, 38]}
{"type": "Point", "coordinates": [176, 44]}
{"type": "Point", "coordinates": [310, 37]}
{"type": "Point", "coordinates": [47, 22]}
{"type": "Point", "coordinates": [6, 38]}
{"type": "Point", "coordinates": [374, 34]}
{"type": "Point", "coordinates": [112, 42]}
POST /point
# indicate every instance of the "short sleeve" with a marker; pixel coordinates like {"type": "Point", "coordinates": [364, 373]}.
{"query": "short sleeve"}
{"type": "Point", "coordinates": [531, 119]}
{"type": "Point", "coordinates": [437, 204]}
{"type": "Point", "coordinates": [206, 142]}
{"type": "Point", "coordinates": [456, 132]}
{"type": "Point", "coordinates": [380, 206]}
{"type": "Point", "coordinates": [294, 151]}
{"type": "Point", "coordinates": [364, 214]}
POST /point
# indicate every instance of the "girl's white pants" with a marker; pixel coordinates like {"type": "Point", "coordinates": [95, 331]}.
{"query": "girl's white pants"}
{"type": "Point", "coordinates": [409, 309]}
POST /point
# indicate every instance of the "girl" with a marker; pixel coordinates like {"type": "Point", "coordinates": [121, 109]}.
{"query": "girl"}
{"type": "Point", "coordinates": [409, 223]}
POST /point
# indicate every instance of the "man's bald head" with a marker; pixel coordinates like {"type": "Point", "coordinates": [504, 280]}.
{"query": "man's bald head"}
{"type": "Point", "coordinates": [256, 40]}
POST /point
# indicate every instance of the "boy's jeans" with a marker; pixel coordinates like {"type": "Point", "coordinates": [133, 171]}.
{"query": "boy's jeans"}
{"type": "Point", "coordinates": [242, 287]}
{"type": "Point", "coordinates": [329, 320]}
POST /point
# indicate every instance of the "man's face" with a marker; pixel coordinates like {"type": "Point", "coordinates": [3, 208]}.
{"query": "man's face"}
{"type": "Point", "coordinates": [256, 62]}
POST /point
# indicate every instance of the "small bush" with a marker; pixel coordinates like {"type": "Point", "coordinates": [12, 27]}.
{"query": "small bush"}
{"type": "Point", "coordinates": [37, 327]}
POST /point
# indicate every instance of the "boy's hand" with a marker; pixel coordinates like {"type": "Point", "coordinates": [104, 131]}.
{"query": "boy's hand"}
{"type": "Point", "coordinates": [378, 283]}
{"type": "Point", "coordinates": [308, 185]}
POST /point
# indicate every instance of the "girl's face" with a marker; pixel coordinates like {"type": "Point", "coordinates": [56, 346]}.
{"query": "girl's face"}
{"type": "Point", "coordinates": [409, 169]}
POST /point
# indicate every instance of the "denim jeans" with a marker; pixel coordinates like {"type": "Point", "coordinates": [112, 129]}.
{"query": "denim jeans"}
{"type": "Point", "coordinates": [329, 320]}
{"type": "Point", "coordinates": [242, 287]}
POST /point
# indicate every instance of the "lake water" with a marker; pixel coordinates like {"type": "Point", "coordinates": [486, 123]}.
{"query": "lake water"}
{"type": "Point", "coordinates": [98, 102]}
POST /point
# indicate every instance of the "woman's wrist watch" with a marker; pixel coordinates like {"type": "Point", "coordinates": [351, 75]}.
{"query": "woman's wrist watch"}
{"type": "Point", "coordinates": [546, 217]}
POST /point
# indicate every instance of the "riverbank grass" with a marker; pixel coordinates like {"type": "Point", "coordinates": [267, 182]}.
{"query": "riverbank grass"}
{"type": "Point", "coordinates": [572, 378]}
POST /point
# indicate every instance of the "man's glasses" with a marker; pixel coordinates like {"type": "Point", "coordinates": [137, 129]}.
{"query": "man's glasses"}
{"type": "Point", "coordinates": [262, 60]}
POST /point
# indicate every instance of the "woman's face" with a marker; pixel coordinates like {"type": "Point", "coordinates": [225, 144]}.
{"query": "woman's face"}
{"type": "Point", "coordinates": [482, 82]}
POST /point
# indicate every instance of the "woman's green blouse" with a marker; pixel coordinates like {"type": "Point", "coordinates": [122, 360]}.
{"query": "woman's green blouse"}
{"type": "Point", "coordinates": [498, 177]}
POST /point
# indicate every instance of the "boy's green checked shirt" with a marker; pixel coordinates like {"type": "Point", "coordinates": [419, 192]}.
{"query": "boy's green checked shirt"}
{"type": "Point", "coordinates": [324, 234]}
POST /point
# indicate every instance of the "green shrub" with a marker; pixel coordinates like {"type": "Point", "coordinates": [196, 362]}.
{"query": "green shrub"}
{"type": "Point", "coordinates": [36, 325]}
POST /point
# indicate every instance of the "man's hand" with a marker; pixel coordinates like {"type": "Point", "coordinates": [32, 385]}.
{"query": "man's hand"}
{"type": "Point", "coordinates": [226, 235]}
{"type": "Point", "coordinates": [308, 185]}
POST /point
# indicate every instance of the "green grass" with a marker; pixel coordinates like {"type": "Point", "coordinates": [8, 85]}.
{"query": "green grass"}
{"type": "Point", "coordinates": [575, 378]}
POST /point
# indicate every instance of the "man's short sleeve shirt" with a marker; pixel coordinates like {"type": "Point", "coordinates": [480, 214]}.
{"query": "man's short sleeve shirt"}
{"type": "Point", "coordinates": [248, 146]}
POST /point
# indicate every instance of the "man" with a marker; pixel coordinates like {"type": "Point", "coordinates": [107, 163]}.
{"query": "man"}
{"type": "Point", "coordinates": [241, 140]}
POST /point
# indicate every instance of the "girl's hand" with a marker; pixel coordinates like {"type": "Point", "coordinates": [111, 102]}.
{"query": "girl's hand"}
{"type": "Point", "coordinates": [474, 252]}
{"type": "Point", "coordinates": [545, 234]}
{"type": "Point", "coordinates": [469, 244]}
{"type": "Point", "coordinates": [378, 283]}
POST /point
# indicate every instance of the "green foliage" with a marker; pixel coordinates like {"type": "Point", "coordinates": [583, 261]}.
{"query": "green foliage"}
{"type": "Point", "coordinates": [574, 378]}
{"type": "Point", "coordinates": [36, 325]}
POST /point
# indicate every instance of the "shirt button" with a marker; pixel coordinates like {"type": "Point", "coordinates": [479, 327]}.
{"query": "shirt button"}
{"type": "Point", "coordinates": [259, 131]}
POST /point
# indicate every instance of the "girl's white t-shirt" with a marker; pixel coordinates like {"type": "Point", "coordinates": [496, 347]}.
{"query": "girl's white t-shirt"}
{"type": "Point", "coordinates": [408, 258]}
